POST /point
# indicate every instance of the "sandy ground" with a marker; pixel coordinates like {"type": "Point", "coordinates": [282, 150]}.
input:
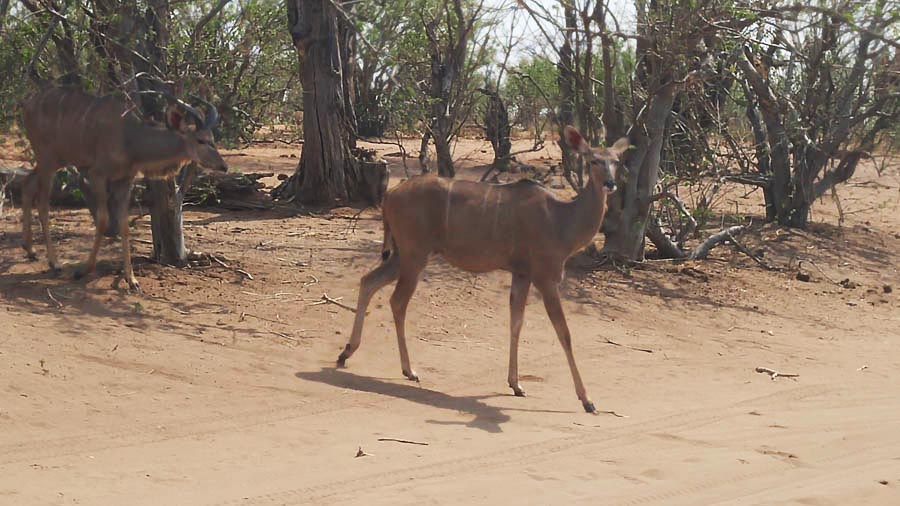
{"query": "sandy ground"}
{"type": "Point", "coordinates": [211, 388]}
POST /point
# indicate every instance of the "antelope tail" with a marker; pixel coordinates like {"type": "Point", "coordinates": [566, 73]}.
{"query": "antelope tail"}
{"type": "Point", "coordinates": [388, 247]}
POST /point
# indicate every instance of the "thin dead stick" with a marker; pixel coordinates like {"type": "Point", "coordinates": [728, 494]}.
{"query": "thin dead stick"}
{"type": "Point", "coordinates": [285, 336]}
{"type": "Point", "coordinates": [58, 303]}
{"type": "Point", "coordinates": [223, 264]}
{"type": "Point", "coordinates": [328, 300]}
{"type": "Point", "coordinates": [610, 341]}
{"type": "Point", "coordinates": [743, 249]}
{"type": "Point", "coordinates": [216, 260]}
{"type": "Point", "coordinates": [124, 394]}
{"type": "Point", "coordinates": [613, 413]}
{"type": "Point", "coordinates": [774, 374]}
{"type": "Point", "coordinates": [277, 295]}
{"type": "Point", "coordinates": [243, 315]}
{"type": "Point", "coordinates": [407, 441]}
{"type": "Point", "coordinates": [800, 263]}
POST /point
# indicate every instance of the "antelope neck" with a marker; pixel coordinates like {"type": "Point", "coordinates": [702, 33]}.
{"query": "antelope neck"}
{"type": "Point", "coordinates": [156, 151]}
{"type": "Point", "coordinates": [583, 215]}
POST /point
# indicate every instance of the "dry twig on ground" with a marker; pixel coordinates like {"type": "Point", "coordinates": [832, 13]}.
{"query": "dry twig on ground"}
{"type": "Point", "coordinates": [610, 341]}
{"type": "Point", "coordinates": [328, 300]}
{"type": "Point", "coordinates": [407, 441]}
{"type": "Point", "coordinates": [775, 374]}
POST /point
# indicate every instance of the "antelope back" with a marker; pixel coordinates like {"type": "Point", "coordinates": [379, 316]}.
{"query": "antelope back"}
{"type": "Point", "coordinates": [69, 127]}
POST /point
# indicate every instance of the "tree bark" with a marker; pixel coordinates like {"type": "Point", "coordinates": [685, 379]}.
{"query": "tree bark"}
{"type": "Point", "coordinates": [166, 200]}
{"type": "Point", "coordinates": [4, 6]}
{"type": "Point", "coordinates": [167, 196]}
{"type": "Point", "coordinates": [625, 223]}
{"type": "Point", "coordinates": [328, 173]}
{"type": "Point", "coordinates": [497, 130]}
{"type": "Point", "coordinates": [566, 82]}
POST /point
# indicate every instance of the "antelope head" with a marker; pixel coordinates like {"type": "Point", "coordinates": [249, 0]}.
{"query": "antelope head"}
{"type": "Point", "coordinates": [197, 131]}
{"type": "Point", "coordinates": [603, 162]}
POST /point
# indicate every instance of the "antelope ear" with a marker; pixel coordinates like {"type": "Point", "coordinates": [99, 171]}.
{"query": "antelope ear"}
{"type": "Point", "coordinates": [622, 145]}
{"type": "Point", "coordinates": [575, 140]}
{"type": "Point", "coordinates": [174, 117]}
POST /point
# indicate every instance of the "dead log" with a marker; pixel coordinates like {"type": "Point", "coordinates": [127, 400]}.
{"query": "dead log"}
{"type": "Point", "coordinates": [702, 251]}
{"type": "Point", "coordinates": [231, 190]}
{"type": "Point", "coordinates": [66, 190]}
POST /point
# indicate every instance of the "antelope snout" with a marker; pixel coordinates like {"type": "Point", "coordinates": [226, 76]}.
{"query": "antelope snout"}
{"type": "Point", "coordinates": [609, 186]}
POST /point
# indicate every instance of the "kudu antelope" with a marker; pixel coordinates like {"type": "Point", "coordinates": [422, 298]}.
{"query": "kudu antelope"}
{"type": "Point", "coordinates": [106, 142]}
{"type": "Point", "coordinates": [478, 227]}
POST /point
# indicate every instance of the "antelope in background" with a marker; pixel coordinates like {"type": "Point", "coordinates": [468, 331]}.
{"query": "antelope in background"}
{"type": "Point", "coordinates": [478, 227]}
{"type": "Point", "coordinates": [106, 142]}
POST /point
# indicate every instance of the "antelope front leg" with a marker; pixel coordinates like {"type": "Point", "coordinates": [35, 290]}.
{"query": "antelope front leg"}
{"type": "Point", "coordinates": [98, 186]}
{"type": "Point", "coordinates": [518, 295]}
{"type": "Point", "coordinates": [386, 272]}
{"type": "Point", "coordinates": [124, 234]}
{"type": "Point", "coordinates": [404, 290]}
{"type": "Point", "coordinates": [29, 188]}
{"type": "Point", "coordinates": [550, 291]}
{"type": "Point", "coordinates": [44, 188]}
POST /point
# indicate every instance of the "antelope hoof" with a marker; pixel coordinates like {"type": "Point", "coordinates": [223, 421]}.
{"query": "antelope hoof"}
{"type": "Point", "coordinates": [517, 390]}
{"type": "Point", "coordinates": [342, 358]}
{"type": "Point", "coordinates": [589, 407]}
{"type": "Point", "coordinates": [79, 274]}
{"type": "Point", "coordinates": [411, 375]}
{"type": "Point", "coordinates": [133, 285]}
{"type": "Point", "coordinates": [30, 254]}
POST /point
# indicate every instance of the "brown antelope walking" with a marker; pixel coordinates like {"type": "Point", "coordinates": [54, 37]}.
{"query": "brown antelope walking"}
{"type": "Point", "coordinates": [478, 227]}
{"type": "Point", "coordinates": [106, 142]}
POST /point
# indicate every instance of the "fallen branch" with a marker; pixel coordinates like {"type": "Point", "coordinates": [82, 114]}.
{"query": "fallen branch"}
{"type": "Point", "coordinates": [218, 261]}
{"type": "Point", "coordinates": [58, 303]}
{"type": "Point", "coordinates": [285, 336]}
{"type": "Point", "coordinates": [743, 249]}
{"type": "Point", "coordinates": [774, 374]}
{"type": "Point", "coordinates": [328, 300]}
{"type": "Point", "coordinates": [702, 251]}
{"type": "Point", "coordinates": [245, 315]}
{"type": "Point", "coordinates": [664, 244]}
{"type": "Point", "coordinates": [610, 341]}
{"type": "Point", "coordinates": [829, 278]}
{"type": "Point", "coordinates": [407, 441]}
{"type": "Point", "coordinates": [682, 209]}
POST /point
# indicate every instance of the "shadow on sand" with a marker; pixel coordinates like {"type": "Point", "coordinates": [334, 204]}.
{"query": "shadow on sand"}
{"type": "Point", "coordinates": [487, 418]}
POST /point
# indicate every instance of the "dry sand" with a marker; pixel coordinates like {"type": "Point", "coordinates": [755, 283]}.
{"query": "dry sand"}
{"type": "Point", "coordinates": [214, 389]}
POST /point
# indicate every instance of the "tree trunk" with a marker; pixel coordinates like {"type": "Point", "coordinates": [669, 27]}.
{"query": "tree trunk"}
{"type": "Point", "coordinates": [496, 128]}
{"type": "Point", "coordinates": [566, 82]}
{"type": "Point", "coordinates": [625, 223]}
{"type": "Point", "coordinates": [166, 199]}
{"type": "Point", "coordinates": [167, 196]}
{"type": "Point", "coordinates": [328, 173]}
{"type": "Point", "coordinates": [4, 6]}
{"type": "Point", "coordinates": [442, 76]}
